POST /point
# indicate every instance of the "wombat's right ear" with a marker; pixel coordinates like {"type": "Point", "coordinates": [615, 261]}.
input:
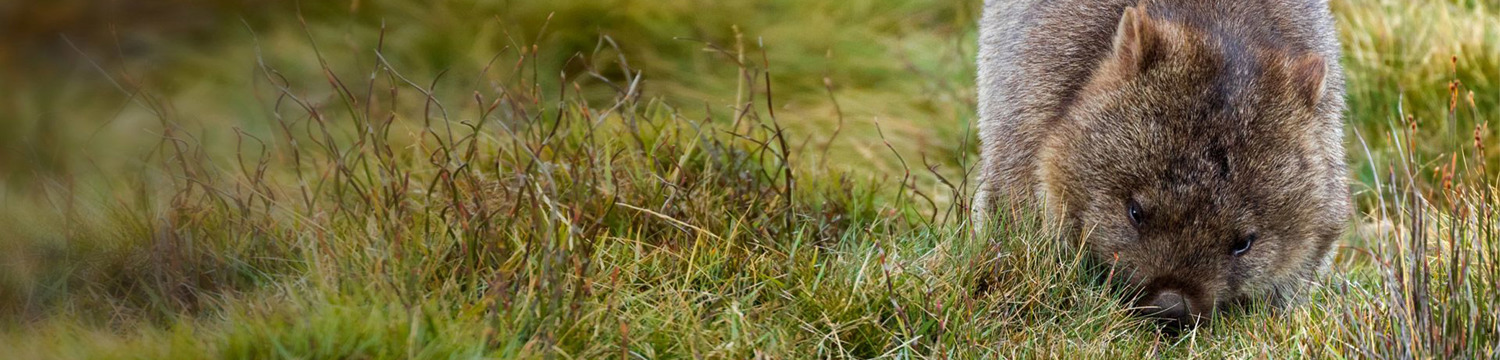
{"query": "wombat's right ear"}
{"type": "Point", "coordinates": [1309, 74]}
{"type": "Point", "coordinates": [1136, 38]}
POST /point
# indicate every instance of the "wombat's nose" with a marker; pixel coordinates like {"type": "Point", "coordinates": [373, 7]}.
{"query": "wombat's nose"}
{"type": "Point", "coordinates": [1171, 307]}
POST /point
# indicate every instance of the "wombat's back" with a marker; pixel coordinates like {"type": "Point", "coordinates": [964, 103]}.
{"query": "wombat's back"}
{"type": "Point", "coordinates": [1033, 54]}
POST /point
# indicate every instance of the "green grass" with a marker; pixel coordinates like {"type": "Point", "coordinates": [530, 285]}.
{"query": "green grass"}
{"type": "Point", "coordinates": [610, 179]}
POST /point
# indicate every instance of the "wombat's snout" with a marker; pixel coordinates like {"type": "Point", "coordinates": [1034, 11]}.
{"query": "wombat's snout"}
{"type": "Point", "coordinates": [1170, 307]}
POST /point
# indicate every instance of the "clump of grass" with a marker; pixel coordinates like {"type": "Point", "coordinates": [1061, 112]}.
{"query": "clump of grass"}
{"type": "Point", "coordinates": [555, 224]}
{"type": "Point", "coordinates": [1433, 245]}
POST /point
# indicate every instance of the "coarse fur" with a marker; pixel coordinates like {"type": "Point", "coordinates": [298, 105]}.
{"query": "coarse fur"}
{"type": "Point", "coordinates": [1220, 122]}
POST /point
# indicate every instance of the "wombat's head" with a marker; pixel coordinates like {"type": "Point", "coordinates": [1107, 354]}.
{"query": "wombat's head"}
{"type": "Point", "coordinates": [1203, 168]}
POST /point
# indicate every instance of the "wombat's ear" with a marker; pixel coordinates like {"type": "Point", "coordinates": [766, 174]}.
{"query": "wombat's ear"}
{"type": "Point", "coordinates": [1309, 73]}
{"type": "Point", "coordinates": [1136, 38]}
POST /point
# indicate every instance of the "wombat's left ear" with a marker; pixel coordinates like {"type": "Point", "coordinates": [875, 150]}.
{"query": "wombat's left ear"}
{"type": "Point", "coordinates": [1136, 38]}
{"type": "Point", "coordinates": [1309, 75]}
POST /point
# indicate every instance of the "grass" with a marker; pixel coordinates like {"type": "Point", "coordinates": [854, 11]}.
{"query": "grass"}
{"type": "Point", "coordinates": [667, 180]}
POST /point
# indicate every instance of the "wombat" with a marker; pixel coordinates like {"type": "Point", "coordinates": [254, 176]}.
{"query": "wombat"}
{"type": "Point", "coordinates": [1194, 146]}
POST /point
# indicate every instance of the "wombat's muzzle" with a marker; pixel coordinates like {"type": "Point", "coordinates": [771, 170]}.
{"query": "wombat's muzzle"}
{"type": "Point", "coordinates": [1171, 308]}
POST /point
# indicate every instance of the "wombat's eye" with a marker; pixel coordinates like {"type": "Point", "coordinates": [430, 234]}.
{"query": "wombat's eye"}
{"type": "Point", "coordinates": [1133, 209]}
{"type": "Point", "coordinates": [1242, 245]}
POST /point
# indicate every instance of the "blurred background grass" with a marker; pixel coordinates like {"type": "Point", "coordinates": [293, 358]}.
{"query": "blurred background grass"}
{"type": "Point", "coordinates": [906, 63]}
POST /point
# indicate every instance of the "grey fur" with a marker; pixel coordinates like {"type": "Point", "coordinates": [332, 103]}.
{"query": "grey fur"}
{"type": "Point", "coordinates": [1230, 127]}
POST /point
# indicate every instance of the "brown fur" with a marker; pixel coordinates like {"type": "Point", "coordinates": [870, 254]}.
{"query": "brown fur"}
{"type": "Point", "coordinates": [1221, 119]}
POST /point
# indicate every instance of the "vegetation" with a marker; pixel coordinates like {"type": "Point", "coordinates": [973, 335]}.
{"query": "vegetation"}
{"type": "Point", "coordinates": [667, 179]}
